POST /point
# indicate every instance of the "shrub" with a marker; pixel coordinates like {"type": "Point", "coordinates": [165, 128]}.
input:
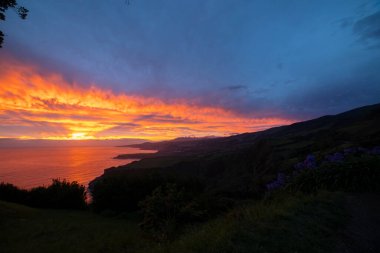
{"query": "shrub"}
{"type": "Point", "coordinates": [166, 209]}
{"type": "Point", "coordinates": [122, 193]}
{"type": "Point", "coordinates": [356, 174]}
{"type": "Point", "coordinates": [60, 194]}
{"type": "Point", "coordinates": [11, 193]}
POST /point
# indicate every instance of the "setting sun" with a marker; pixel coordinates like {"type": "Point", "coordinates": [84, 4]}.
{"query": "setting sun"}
{"type": "Point", "coordinates": [80, 136]}
{"type": "Point", "coordinates": [189, 126]}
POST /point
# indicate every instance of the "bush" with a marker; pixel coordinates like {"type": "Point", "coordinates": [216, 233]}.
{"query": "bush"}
{"type": "Point", "coordinates": [11, 193]}
{"type": "Point", "coordinates": [122, 193]}
{"type": "Point", "coordinates": [357, 174]}
{"type": "Point", "coordinates": [60, 194]}
{"type": "Point", "coordinates": [166, 210]}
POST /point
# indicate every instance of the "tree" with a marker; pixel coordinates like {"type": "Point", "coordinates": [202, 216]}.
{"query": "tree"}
{"type": "Point", "coordinates": [10, 4]}
{"type": "Point", "coordinates": [162, 211]}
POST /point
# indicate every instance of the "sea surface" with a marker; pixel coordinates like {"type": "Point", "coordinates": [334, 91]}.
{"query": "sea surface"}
{"type": "Point", "coordinates": [28, 167]}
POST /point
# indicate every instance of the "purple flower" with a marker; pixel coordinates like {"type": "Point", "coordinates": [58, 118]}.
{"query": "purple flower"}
{"type": "Point", "coordinates": [299, 166]}
{"type": "Point", "coordinates": [278, 183]}
{"type": "Point", "coordinates": [310, 162]}
{"type": "Point", "coordinates": [350, 151]}
{"type": "Point", "coordinates": [364, 150]}
{"type": "Point", "coordinates": [375, 150]}
{"type": "Point", "coordinates": [336, 157]}
{"type": "Point", "coordinates": [281, 177]}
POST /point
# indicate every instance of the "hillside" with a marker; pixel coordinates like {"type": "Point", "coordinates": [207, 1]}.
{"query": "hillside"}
{"type": "Point", "coordinates": [247, 161]}
{"type": "Point", "coordinates": [212, 195]}
{"type": "Point", "coordinates": [293, 224]}
{"type": "Point", "coordinates": [25, 229]}
{"type": "Point", "coordinates": [358, 126]}
{"type": "Point", "coordinates": [224, 172]}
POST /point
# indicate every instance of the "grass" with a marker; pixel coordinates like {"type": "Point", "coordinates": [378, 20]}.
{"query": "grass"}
{"type": "Point", "coordinates": [284, 224]}
{"type": "Point", "coordinates": [25, 229]}
{"type": "Point", "coordinates": [279, 224]}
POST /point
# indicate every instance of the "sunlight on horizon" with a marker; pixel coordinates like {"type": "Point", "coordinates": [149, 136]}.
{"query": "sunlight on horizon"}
{"type": "Point", "coordinates": [38, 105]}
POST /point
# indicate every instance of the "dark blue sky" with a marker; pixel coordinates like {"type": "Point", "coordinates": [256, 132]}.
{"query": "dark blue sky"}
{"type": "Point", "coordinates": [294, 58]}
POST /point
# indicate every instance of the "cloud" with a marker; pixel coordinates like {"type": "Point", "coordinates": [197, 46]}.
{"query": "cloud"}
{"type": "Point", "coordinates": [14, 124]}
{"type": "Point", "coordinates": [345, 22]}
{"type": "Point", "coordinates": [335, 94]}
{"type": "Point", "coordinates": [38, 104]}
{"type": "Point", "coordinates": [368, 30]}
{"type": "Point", "coordinates": [236, 87]}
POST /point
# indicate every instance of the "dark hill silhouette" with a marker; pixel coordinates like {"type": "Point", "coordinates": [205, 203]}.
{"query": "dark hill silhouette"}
{"type": "Point", "coordinates": [238, 167]}
{"type": "Point", "coordinates": [357, 126]}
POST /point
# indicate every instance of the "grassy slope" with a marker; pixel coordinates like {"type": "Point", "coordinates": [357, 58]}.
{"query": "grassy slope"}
{"type": "Point", "coordinates": [285, 224]}
{"type": "Point", "coordinates": [230, 161]}
{"type": "Point", "coordinates": [25, 229]}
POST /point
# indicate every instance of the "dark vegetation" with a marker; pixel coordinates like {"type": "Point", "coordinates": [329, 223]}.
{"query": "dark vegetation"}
{"type": "Point", "coordinates": [302, 223]}
{"type": "Point", "coordinates": [10, 4]}
{"type": "Point", "coordinates": [357, 174]}
{"type": "Point", "coordinates": [279, 190]}
{"type": "Point", "coordinates": [221, 173]}
{"type": "Point", "coordinates": [165, 209]}
{"type": "Point", "coordinates": [61, 194]}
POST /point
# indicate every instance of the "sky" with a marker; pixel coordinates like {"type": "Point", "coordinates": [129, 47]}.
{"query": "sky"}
{"type": "Point", "coordinates": [160, 69]}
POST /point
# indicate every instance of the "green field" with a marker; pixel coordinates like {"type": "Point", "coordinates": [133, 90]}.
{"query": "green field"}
{"type": "Point", "coordinates": [281, 224]}
{"type": "Point", "coordinates": [25, 229]}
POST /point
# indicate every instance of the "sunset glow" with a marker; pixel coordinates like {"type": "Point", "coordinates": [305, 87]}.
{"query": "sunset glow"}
{"type": "Point", "coordinates": [39, 105]}
{"type": "Point", "coordinates": [187, 126]}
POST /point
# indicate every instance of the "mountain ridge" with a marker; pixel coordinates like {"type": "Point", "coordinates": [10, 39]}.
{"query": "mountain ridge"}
{"type": "Point", "coordinates": [239, 167]}
{"type": "Point", "coordinates": [178, 146]}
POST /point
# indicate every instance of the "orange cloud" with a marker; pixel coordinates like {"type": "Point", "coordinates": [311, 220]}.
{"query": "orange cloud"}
{"type": "Point", "coordinates": [35, 105]}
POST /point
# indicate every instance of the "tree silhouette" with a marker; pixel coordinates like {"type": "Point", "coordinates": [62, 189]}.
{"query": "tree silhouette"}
{"type": "Point", "coordinates": [10, 4]}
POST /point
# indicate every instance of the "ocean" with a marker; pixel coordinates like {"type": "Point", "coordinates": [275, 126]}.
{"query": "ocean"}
{"type": "Point", "coordinates": [28, 167]}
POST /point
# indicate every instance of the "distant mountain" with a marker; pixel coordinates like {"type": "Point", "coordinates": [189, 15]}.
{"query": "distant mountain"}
{"type": "Point", "coordinates": [360, 126]}
{"type": "Point", "coordinates": [239, 166]}
{"type": "Point", "coordinates": [11, 142]}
